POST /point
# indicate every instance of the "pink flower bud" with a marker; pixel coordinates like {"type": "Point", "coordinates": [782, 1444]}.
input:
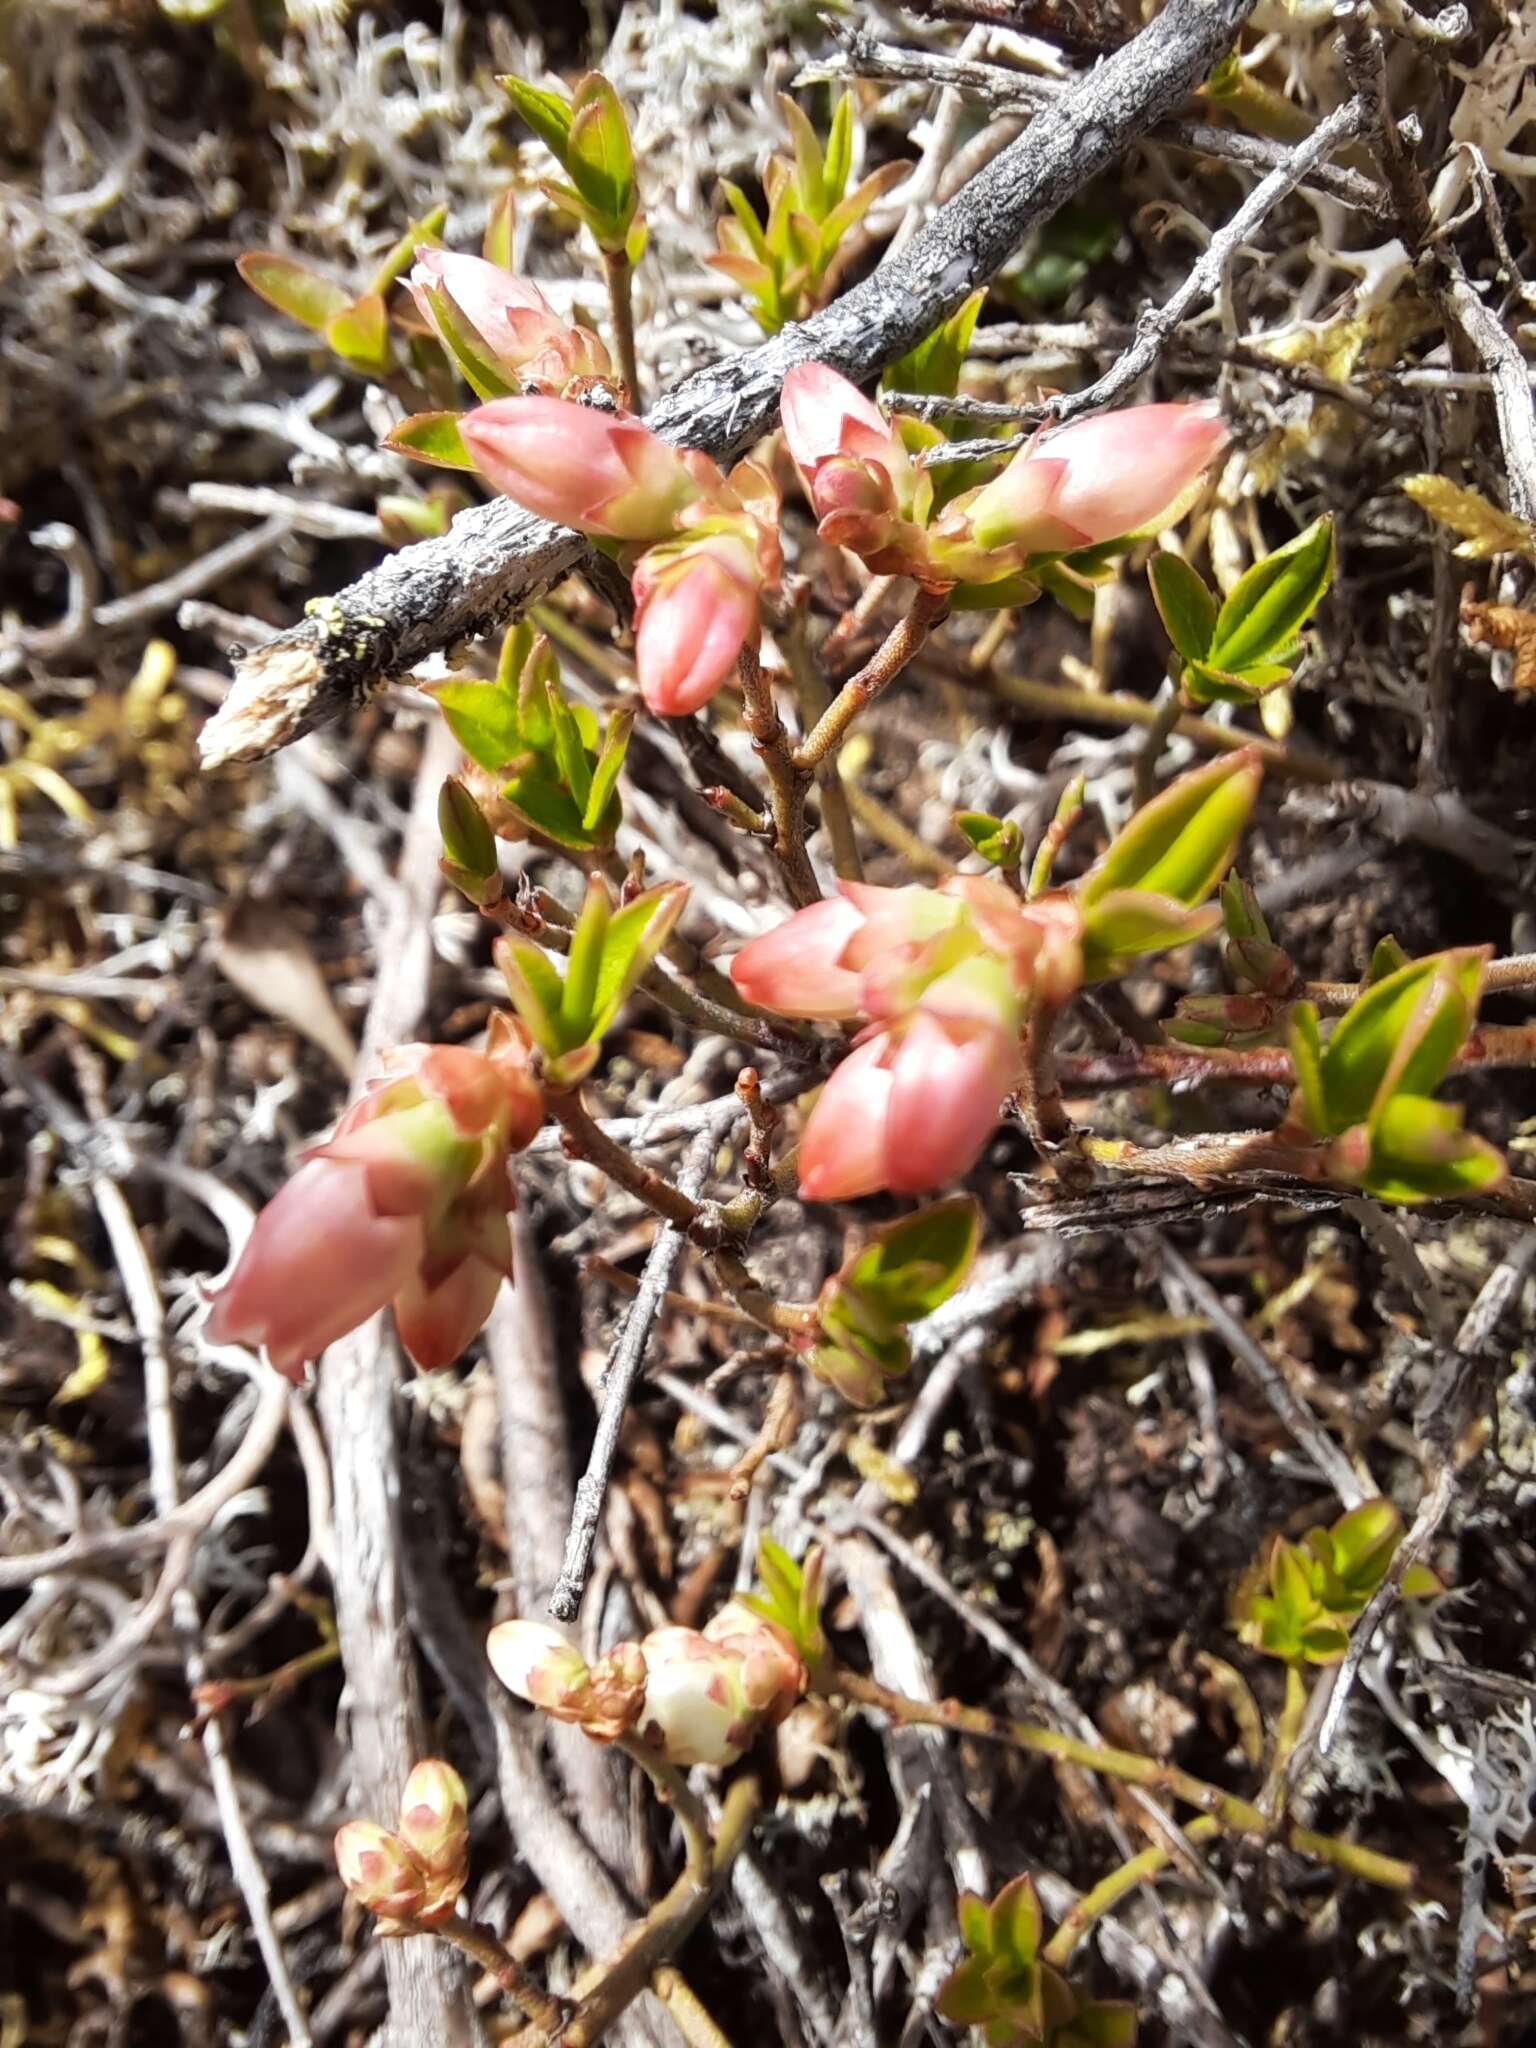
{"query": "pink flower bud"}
{"type": "Point", "coordinates": [407, 1203]}
{"type": "Point", "coordinates": [1097, 479]}
{"type": "Point", "coordinates": [823, 415]}
{"type": "Point", "coordinates": [434, 1821]}
{"type": "Point", "coordinates": [773, 1672]}
{"type": "Point", "coordinates": [694, 613]}
{"type": "Point", "coordinates": [535, 1661]}
{"type": "Point", "coordinates": [383, 1875]}
{"type": "Point", "coordinates": [515, 323]}
{"type": "Point", "coordinates": [601, 472]}
{"type": "Point", "coordinates": [696, 1708]}
{"type": "Point", "coordinates": [843, 1152]}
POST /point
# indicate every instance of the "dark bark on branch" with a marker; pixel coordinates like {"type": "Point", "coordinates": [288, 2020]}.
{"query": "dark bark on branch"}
{"type": "Point", "coordinates": [498, 557]}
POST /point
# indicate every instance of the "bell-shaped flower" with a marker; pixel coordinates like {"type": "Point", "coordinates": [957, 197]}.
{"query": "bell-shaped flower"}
{"type": "Point", "coordinates": [1096, 480]}
{"type": "Point", "coordinates": [943, 976]}
{"type": "Point", "coordinates": [535, 1661]}
{"type": "Point", "coordinates": [489, 320]}
{"type": "Point", "coordinates": [909, 1109]}
{"type": "Point", "coordinates": [601, 472]}
{"type": "Point", "coordinates": [701, 547]}
{"type": "Point", "coordinates": [407, 1203]}
{"type": "Point", "coordinates": [697, 603]}
{"type": "Point", "coordinates": [864, 488]}
{"type": "Point", "coordinates": [705, 1702]}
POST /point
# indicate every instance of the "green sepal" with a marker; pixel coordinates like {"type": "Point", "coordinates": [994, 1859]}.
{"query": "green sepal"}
{"type": "Point", "coordinates": [466, 348]}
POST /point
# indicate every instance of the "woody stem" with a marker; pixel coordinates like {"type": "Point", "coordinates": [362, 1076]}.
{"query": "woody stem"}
{"type": "Point", "coordinates": [930, 608]}
{"type": "Point", "coordinates": [484, 1948]}
{"type": "Point", "coordinates": [786, 787]}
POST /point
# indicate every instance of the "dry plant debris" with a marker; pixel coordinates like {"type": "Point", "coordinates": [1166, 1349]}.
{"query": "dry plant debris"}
{"type": "Point", "coordinates": [1018, 1393]}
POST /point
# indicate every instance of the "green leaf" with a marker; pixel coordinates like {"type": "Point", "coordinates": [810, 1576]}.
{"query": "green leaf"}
{"type": "Point", "coordinates": [1181, 844]}
{"type": "Point", "coordinates": [1387, 956]}
{"type": "Point", "coordinates": [536, 793]}
{"type": "Point", "coordinates": [293, 289]}
{"type": "Point", "coordinates": [535, 989]}
{"type": "Point", "coordinates": [1400, 1035]}
{"type": "Point", "coordinates": [359, 334]}
{"type": "Point", "coordinates": [548, 114]}
{"type": "Point", "coordinates": [1016, 1923]}
{"type": "Point", "coordinates": [913, 1265]}
{"type": "Point", "coordinates": [934, 365]}
{"type": "Point", "coordinates": [600, 158]}
{"type": "Point", "coordinates": [634, 938]}
{"type": "Point", "coordinates": [1360, 1546]}
{"type": "Point", "coordinates": [483, 719]}
{"type": "Point", "coordinates": [741, 207]}
{"type": "Point", "coordinates": [1184, 603]}
{"type": "Point", "coordinates": [1306, 1049]}
{"type": "Point", "coordinates": [500, 230]}
{"type": "Point", "coordinates": [575, 769]}
{"type": "Point", "coordinates": [998, 840]}
{"type": "Point", "coordinates": [1274, 600]}
{"type": "Point", "coordinates": [428, 229]}
{"type": "Point", "coordinates": [605, 775]}
{"type": "Point", "coordinates": [1420, 1153]}
{"type": "Point", "coordinates": [1129, 922]}
{"type": "Point", "coordinates": [431, 437]}
{"type": "Point", "coordinates": [809, 173]}
{"type": "Point", "coordinates": [837, 165]}
{"type": "Point", "coordinates": [580, 1005]}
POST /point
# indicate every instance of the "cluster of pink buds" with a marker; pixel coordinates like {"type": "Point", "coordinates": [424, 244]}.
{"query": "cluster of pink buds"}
{"type": "Point", "coordinates": [701, 547]}
{"type": "Point", "coordinates": [691, 1696]}
{"type": "Point", "coordinates": [419, 1871]}
{"type": "Point", "coordinates": [479, 311]}
{"type": "Point", "coordinates": [942, 978]}
{"type": "Point", "coordinates": [407, 1203]}
{"type": "Point", "coordinates": [1096, 481]}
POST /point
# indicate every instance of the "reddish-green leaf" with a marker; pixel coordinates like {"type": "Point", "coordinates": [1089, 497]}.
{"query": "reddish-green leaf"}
{"type": "Point", "coordinates": [293, 289]}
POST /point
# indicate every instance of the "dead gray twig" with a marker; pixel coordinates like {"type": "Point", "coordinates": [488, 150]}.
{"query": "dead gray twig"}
{"type": "Point", "coordinates": [618, 1383]}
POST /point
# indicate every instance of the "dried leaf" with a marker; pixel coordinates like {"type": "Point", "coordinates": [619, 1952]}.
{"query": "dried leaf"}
{"type": "Point", "coordinates": [1506, 626]}
{"type": "Point", "coordinates": [1486, 530]}
{"type": "Point", "coordinates": [265, 957]}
